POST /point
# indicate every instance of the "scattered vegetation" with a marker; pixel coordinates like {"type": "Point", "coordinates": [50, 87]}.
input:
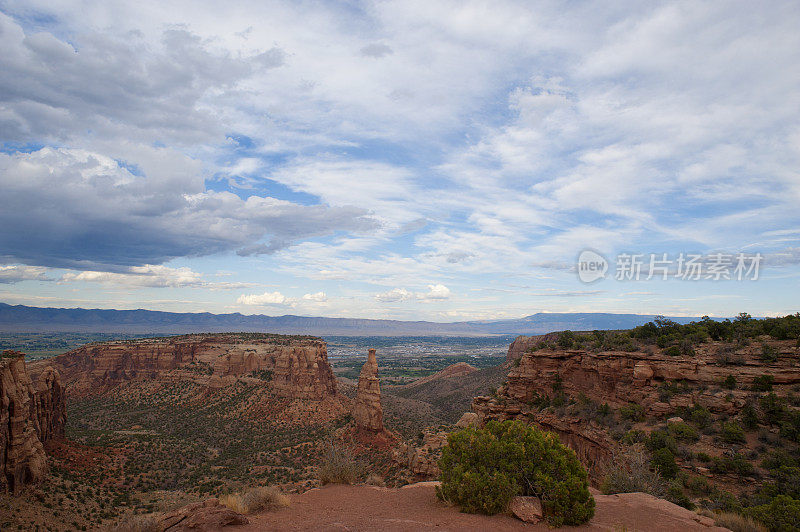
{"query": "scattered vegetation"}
{"type": "Point", "coordinates": [340, 466]}
{"type": "Point", "coordinates": [255, 500]}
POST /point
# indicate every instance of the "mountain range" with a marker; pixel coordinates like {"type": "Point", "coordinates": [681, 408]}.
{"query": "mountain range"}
{"type": "Point", "coordinates": [21, 318]}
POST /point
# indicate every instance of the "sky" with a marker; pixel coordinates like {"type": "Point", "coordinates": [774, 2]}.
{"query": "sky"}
{"type": "Point", "coordinates": [442, 160]}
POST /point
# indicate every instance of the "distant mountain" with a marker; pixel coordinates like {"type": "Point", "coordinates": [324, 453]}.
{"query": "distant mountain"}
{"type": "Point", "coordinates": [20, 318]}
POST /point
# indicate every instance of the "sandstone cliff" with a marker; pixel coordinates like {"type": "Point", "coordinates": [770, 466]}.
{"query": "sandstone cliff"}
{"type": "Point", "coordinates": [297, 367]}
{"type": "Point", "coordinates": [30, 415]}
{"type": "Point", "coordinates": [660, 383]}
{"type": "Point", "coordinates": [367, 411]}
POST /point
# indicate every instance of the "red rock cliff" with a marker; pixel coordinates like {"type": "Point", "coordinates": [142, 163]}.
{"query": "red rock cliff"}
{"type": "Point", "coordinates": [367, 411]}
{"type": "Point", "coordinates": [30, 414]}
{"type": "Point", "coordinates": [298, 365]}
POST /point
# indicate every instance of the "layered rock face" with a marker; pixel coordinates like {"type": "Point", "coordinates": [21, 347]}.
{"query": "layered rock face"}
{"type": "Point", "coordinates": [297, 366]}
{"type": "Point", "coordinates": [30, 415]}
{"type": "Point", "coordinates": [367, 411]}
{"type": "Point", "coordinates": [618, 378]}
{"type": "Point", "coordinates": [523, 344]}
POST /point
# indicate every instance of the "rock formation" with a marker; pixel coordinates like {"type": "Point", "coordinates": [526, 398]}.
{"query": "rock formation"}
{"type": "Point", "coordinates": [30, 415]}
{"type": "Point", "coordinates": [367, 411]}
{"type": "Point", "coordinates": [297, 366]}
{"type": "Point", "coordinates": [619, 378]}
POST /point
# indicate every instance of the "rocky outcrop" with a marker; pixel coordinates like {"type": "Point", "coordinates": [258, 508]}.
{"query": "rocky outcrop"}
{"type": "Point", "coordinates": [297, 366]}
{"type": "Point", "coordinates": [30, 415]}
{"type": "Point", "coordinates": [658, 382]}
{"type": "Point", "coordinates": [619, 377]}
{"type": "Point", "coordinates": [367, 410]}
{"type": "Point", "coordinates": [524, 344]}
{"type": "Point", "coordinates": [205, 515]}
{"type": "Point", "coordinates": [422, 460]}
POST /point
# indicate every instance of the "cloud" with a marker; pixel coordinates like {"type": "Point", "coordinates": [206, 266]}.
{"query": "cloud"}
{"type": "Point", "coordinates": [150, 276]}
{"type": "Point", "coordinates": [436, 292]}
{"type": "Point", "coordinates": [116, 84]}
{"type": "Point", "coordinates": [267, 298]}
{"type": "Point", "coordinates": [318, 297]}
{"type": "Point", "coordinates": [15, 273]}
{"type": "Point", "coordinates": [82, 210]}
{"type": "Point", "coordinates": [376, 50]}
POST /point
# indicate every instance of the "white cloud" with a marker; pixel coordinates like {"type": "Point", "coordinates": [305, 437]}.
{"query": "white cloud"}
{"type": "Point", "coordinates": [318, 297]}
{"type": "Point", "coordinates": [150, 276]}
{"type": "Point", "coordinates": [436, 292]}
{"type": "Point", "coordinates": [14, 273]}
{"type": "Point", "coordinates": [267, 298]}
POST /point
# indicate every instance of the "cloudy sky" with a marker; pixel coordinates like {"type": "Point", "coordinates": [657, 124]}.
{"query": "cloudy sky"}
{"type": "Point", "coordinates": [413, 160]}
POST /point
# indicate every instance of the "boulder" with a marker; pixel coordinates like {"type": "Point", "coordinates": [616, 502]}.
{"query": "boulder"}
{"type": "Point", "coordinates": [469, 419]}
{"type": "Point", "coordinates": [528, 509]}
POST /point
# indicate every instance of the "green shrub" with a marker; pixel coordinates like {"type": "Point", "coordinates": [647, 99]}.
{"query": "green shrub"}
{"type": "Point", "coordinates": [632, 411]}
{"type": "Point", "coordinates": [768, 353]}
{"type": "Point", "coordinates": [697, 414]}
{"type": "Point", "coordinates": [781, 514]}
{"type": "Point", "coordinates": [763, 383]}
{"type": "Point", "coordinates": [773, 408]}
{"type": "Point", "coordinates": [676, 495]}
{"type": "Point", "coordinates": [661, 439]}
{"type": "Point", "coordinates": [673, 351]}
{"type": "Point", "coordinates": [664, 462]}
{"type": "Point", "coordinates": [736, 464]}
{"type": "Point", "coordinates": [749, 417]}
{"type": "Point", "coordinates": [683, 431]}
{"type": "Point", "coordinates": [729, 382]}
{"type": "Point", "coordinates": [731, 432]}
{"type": "Point", "coordinates": [482, 469]}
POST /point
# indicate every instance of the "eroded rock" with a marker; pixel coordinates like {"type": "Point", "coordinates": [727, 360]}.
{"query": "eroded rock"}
{"type": "Point", "coordinates": [367, 410]}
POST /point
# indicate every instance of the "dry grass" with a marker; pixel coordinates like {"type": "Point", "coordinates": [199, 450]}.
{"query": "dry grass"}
{"type": "Point", "coordinates": [630, 472]}
{"type": "Point", "coordinates": [734, 522]}
{"type": "Point", "coordinates": [138, 523]}
{"type": "Point", "coordinates": [339, 466]}
{"type": "Point", "coordinates": [255, 500]}
{"type": "Point", "coordinates": [375, 480]}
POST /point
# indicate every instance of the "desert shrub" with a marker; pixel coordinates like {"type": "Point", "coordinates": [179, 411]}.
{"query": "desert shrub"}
{"type": "Point", "coordinates": [661, 439]}
{"type": "Point", "coordinates": [735, 522]}
{"type": "Point", "coordinates": [698, 486]}
{"type": "Point", "coordinates": [339, 466]}
{"type": "Point", "coordinates": [697, 414]}
{"type": "Point", "coordinates": [673, 351]}
{"type": "Point", "coordinates": [633, 436]}
{"type": "Point", "coordinates": [482, 469]}
{"type": "Point", "coordinates": [630, 472]}
{"type": "Point", "coordinates": [731, 432]}
{"type": "Point", "coordinates": [255, 500]}
{"type": "Point", "coordinates": [763, 383]}
{"type": "Point", "coordinates": [768, 353]}
{"type": "Point", "coordinates": [749, 417]}
{"type": "Point", "coordinates": [139, 523]}
{"type": "Point", "coordinates": [778, 458]}
{"type": "Point", "coordinates": [781, 514]}
{"type": "Point", "coordinates": [772, 407]}
{"type": "Point", "coordinates": [375, 480]}
{"type": "Point", "coordinates": [676, 495]}
{"type": "Point", "coordinates": [683, 431]}
{"type": "Point", "coordinates": [632, 411]}
{"type": "Point", "coordinates": [729, 382]}
{"type": "Point", "coordinates": [664, 462]}
{"type": "Point", "coordinates": [790, 427]}
{"type": "Point", "coordinates": [566, 339]}
{"type": "Point", "coordinates": [736, 464]}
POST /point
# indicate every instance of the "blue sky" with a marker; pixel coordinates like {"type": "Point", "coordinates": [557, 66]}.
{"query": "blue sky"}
{"type": "Point", "coordinates": [409, 160]}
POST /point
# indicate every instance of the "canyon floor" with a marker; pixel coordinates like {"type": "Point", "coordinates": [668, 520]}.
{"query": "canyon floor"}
{"type": "Point", "coordinates": [415, 507]}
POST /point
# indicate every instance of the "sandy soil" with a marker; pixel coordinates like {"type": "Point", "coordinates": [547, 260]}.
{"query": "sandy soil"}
{"type": "Point", "coordinates": [415, 507]}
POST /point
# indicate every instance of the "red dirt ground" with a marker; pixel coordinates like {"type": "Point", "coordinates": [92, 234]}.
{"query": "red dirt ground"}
{"type": "Point", "coordinates": [415, 507]}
